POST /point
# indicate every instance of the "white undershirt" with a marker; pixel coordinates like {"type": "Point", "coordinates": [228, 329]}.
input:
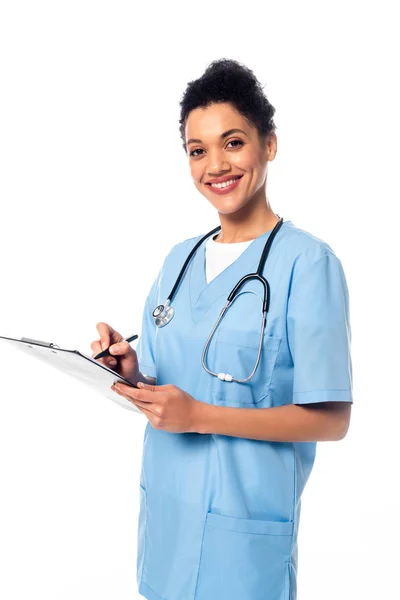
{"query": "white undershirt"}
{"type": "Point", "coordinates": [220, 255]}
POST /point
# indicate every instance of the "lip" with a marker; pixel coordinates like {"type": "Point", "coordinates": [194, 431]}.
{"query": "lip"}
{"type": "Point", "coordinates": [222, 179]}
{"type": "Point", "coordinates": [225, 190]}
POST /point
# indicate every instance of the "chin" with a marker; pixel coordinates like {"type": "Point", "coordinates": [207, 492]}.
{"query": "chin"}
{"type": "Point", "coordinates": [228, 208]}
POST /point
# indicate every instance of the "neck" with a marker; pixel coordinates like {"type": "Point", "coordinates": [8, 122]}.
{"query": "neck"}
{"type": "Point", "coordinates": [242, 228]}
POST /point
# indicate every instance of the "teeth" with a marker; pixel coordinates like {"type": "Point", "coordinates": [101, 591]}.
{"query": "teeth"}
{"type": "Point", "coordinates": [224, 184]}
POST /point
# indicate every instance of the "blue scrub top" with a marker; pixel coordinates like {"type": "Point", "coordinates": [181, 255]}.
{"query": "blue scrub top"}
{"type": "Point", "coordinates": [219, 515]}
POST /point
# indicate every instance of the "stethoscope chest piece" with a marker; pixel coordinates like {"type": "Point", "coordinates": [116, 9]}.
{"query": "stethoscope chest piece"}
{"type": "Point", "coordinates": [163, 313]}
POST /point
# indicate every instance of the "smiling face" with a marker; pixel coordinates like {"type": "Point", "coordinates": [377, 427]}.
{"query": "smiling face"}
{"type": "Point", "coordinates": [217, 152]}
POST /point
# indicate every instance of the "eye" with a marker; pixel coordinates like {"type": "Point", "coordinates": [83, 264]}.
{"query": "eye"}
{"type": "Point", "coordinates": [236, 141]}
{"type": "Point", "coordinates": [240, 142]}
{"type": "Point", "coordinates": [192, 153]}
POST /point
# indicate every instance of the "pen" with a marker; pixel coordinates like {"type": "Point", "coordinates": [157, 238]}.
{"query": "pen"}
{"type": "Point", "coordinates": [106, 352]}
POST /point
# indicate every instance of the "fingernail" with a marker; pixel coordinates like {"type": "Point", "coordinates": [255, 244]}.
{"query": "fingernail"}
{"type": "Point", "coordinates": [115, 349]}
{"type": "Point", "coordinates": [104, 345]}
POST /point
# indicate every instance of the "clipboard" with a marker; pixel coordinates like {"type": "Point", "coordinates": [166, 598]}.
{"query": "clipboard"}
{"type": "Point", "coordinates": [76, 364]}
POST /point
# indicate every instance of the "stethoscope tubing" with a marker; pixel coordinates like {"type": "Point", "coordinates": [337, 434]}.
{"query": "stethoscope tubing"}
{"type": "Point", "coordinates": [187, 261]}
{"type": "Point", "coordinates": [164, 313]}
{"type": "Point", "coordinates": [260, 268]}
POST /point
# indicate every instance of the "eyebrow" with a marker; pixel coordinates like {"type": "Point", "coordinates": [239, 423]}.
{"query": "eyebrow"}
{"type": "Point", "coordinates": [222, 136]}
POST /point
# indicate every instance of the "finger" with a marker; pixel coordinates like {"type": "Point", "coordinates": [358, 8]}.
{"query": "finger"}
{"type": "Point", "coordinates": [148, 413]}
{"type": "Point", "coordinates": [96, 347]}
{"type": "Point", "coordinates": [144, 406]}
{"type": "Point", "coordinates": [105, 332]}
{"type": "Point", "coordinates": [153, 388]}
{"type": "Point", "coordinates": [106, 360]}
{"type": "Point", "coordinates": [120, 348]}
{"type": "Point", "coordinates": [135, 394]}
{"type": "Point", "coordinates": [147, 386]}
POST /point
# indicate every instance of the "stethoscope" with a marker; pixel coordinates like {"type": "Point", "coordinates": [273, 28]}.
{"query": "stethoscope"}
{"type": "Point", "coordinates": [163, 313]}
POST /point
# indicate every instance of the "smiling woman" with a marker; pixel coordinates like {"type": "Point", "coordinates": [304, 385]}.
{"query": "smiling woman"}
{"type": "Point", "coordinates": [230, 396]}
{"type": "Point", "coordinates": [229, 145]}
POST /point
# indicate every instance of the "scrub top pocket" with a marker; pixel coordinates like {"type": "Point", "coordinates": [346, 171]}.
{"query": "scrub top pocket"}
{"type": "Point", "coordinates": [244, 559]}
{"type": "Point", "coordinates": [235, 352]}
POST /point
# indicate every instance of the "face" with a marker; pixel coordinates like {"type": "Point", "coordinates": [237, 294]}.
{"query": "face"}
{"type": "Point", "coordinates": [213, 153]}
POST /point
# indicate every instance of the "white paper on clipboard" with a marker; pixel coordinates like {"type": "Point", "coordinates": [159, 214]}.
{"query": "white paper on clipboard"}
{"type": "Point", "coordinates": [76, 364]}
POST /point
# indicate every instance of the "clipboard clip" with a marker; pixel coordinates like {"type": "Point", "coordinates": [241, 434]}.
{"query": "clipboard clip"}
{"type": "Point", "coordinates": [40, 343]}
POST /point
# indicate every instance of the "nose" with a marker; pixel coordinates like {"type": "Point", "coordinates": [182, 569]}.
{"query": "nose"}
{"type": "Point", "coordinates": [217, 163]}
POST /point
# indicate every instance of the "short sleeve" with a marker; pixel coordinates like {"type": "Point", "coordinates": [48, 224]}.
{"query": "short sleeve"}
{"type": "Point", "coordinates": [319, 333]}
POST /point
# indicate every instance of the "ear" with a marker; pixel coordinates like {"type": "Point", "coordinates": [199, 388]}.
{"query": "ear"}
{"type": "Point", "coordinates": [271, 146]}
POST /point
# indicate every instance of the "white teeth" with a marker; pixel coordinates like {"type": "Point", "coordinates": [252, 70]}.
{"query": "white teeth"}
{"type": "Point", "coordinates": [224, 184]}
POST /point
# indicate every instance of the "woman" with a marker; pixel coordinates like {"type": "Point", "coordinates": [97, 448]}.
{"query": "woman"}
{"type": "Point", "coordinates": [226, 456]}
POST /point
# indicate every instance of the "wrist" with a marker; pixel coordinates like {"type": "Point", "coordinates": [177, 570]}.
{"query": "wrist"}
{"type": "Point", "coordinates": [138, 376]}
{"type": "Point", "coordinates": [202, 417]}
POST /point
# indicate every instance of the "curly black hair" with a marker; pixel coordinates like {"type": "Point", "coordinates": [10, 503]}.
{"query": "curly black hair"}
{"type": "Point", "coordinates": [228, 81]}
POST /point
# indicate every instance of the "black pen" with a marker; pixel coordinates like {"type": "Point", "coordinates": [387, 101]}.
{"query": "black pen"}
{"type": "Point", "coordinates": [106, 352]}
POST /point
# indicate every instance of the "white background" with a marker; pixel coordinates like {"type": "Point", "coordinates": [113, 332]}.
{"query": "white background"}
{"type": "Point", "coordinates": [95, 189]}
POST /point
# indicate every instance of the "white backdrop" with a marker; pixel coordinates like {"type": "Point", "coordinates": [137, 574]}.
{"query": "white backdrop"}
{"type": "Point", "coordinates": [95, 189]}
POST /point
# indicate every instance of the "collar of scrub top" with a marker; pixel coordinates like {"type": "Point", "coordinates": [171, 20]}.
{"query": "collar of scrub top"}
{"type": "Point", "coordinates": [163, 313]}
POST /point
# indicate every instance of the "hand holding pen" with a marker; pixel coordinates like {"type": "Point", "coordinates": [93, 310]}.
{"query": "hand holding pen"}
{"type": "Point", "coordinates": [114, 351]}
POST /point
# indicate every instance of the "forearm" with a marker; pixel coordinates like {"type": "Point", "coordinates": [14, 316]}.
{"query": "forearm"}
{"type": "Point", "coordinates": [289, 423]}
